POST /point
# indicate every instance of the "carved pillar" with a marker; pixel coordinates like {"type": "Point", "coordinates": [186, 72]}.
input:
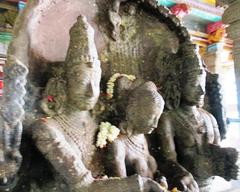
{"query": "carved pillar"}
{"type": "Point", "coordinates": [231, 16]}
{"type": "Point", "coordinates": [214, 57]}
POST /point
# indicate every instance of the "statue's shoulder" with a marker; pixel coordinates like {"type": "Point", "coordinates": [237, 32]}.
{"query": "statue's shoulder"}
{"type": "Point", "coordinates": [208, 116]}
{"type": "Point", "coordinates": [169, 115]}
{"type": "Point", "coordinates": [166, 122]}
{"type": "Point", "coordinates": [203, 111]}
{"type": "Point", "coordinates": [46, 128]}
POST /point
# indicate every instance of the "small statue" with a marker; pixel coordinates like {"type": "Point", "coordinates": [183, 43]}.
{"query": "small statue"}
{"type": "Point", "coordinates": [188, 136]}
{"type": "Point", "coordinates": [130, 151]}
{"type": "Point", "coordinates": [67, 137]}
{"type": "Point", "coordinates": [11, 120]}
{"type": "Point", "coordinates": [115, 18]}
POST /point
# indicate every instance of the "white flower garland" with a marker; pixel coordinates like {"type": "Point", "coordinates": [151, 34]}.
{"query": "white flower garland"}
{"type": "Point", "coordinates": [111, 83]}
{"type": "Point", "coordinates": [107, 132]}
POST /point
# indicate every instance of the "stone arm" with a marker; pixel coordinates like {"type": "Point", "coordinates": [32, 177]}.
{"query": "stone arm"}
{"type": "Point", "coordinates": [118, 152]}
{"type": "Point", "coordinates": [176, 174]}
{"type": "Point", "coordinates": [224, 161]}
{"type": "Point", "coordinates": [217, 137]}
{"type": "Point", "coordinates": [52, 144]}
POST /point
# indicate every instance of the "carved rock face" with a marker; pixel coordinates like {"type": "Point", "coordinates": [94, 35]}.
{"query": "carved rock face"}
{"type": "Point", "coordinates": [193, 90]}
{"type": "Point", "coordinates": [144, 109]}
{"type": "Point", "coordinates": [84, 72]}
{"type": "Point", "coordinates": [83, 90]}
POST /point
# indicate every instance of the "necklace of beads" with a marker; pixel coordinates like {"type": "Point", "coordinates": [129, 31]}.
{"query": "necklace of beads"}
{"type": "Point", "coordinates": [72, 131]}
{"type": "Point", "coordinates": [134, 146]}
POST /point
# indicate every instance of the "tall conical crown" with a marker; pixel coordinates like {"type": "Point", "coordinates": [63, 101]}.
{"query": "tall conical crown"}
{"type": "Point", "coordinates": [191, 58]}
{"type": "Point", "coordinates": [82, 48]}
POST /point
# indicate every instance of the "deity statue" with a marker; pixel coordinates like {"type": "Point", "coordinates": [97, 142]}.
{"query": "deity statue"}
{"type": "Point", "coordinates": [188, 136]}
{"type": "Point", "coordinates": [129, 35]}
{"type": "Point", "coordinates": [67, 137]}
{"type": "Point", "coordinates": [142, 109]}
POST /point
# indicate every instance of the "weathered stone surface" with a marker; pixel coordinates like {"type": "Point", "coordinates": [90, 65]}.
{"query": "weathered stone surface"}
{"type": "Point", "coordinates": [231, 14]}
{"type": "Point", "coordinates": [63, 86]}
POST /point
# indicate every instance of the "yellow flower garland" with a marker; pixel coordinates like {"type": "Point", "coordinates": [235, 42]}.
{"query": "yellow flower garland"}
{"type": "Point", "coordinates": [111, 83]}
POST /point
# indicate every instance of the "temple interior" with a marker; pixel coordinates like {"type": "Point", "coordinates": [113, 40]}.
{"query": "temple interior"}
{"type": "Point", "coordinates": [120, 95]}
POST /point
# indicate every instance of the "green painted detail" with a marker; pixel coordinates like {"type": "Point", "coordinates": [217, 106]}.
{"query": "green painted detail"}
{"type": "Point", "coordinates": [205, 15]}
{"type": "Point", "coordinates": [167, 3]}
{"type": "Point", "coordinates": [5, 37]}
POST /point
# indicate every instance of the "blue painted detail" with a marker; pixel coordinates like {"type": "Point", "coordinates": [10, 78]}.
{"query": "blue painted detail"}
{"type": "Point", "coordinates": [21, 5]}
{"type": "Point", "coordinates": [214, 47]}
{"type": "Point", "coordinates": [167, 3]}
{"type": "Point", "coordinates": [205, 15]}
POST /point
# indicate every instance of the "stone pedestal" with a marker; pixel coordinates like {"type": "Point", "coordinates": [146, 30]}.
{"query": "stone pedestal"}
{"type": "Point", "coordinates": [231, 17]}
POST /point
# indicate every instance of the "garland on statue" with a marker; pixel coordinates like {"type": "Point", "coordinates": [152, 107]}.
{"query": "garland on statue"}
{"type": "Point", "coordinates": [107, 132]}
{"type": "Point", "coordinates": [111, 83]}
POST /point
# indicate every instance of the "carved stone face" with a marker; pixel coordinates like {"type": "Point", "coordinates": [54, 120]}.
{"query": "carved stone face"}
{"type": "Point", "coordinates": [193, 89]}
{"type": "Point", "coordinates": [144, 110]}
{"type": "Point", "coordinates": [147, 119]}
{"type": "Point", "coordinates": [83, 85]}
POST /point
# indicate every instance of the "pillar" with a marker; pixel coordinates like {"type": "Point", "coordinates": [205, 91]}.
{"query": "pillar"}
{"type": "Point", "coordinates": [231, 17]}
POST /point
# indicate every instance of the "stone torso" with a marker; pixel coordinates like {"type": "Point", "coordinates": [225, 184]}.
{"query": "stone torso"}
{"type": "Point", "coordinates": [138, 156]}
{"type": "Point", "coordinates": [192, 135]}
{"type": "Point", "coordinates": [80, 135]}
{"type": "Point", "coordinates": [191, 130]}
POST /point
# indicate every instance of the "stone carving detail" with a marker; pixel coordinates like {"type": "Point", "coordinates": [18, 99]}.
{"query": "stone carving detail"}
{"type": "Point", "coordinates": [11, 123]}
{"type": "Point", "coordinates": [141, 109]}
{"type": "Point", "coordinates": [143, 40]}
{"type": "Point", "coordinates": [12, 112]}
{"type": "Point", "coordinates": [60, 138]}
{"type": "Point", "coordinates": [188, 136]}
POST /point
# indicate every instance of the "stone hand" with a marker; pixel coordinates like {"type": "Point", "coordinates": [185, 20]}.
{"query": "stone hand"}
{"type": "Point", "coordinates": [231, 170]}
{"type": "Point", "coordinates": [187, 183]}
{"type": "Point", "coordinates": [9, 166]}
{"type": "Point", "coordinates": [224, 160]}
{"type": "Point", "coordinates": [151, 186]}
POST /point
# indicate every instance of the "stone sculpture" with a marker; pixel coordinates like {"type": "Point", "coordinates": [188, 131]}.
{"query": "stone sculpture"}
{"type": "Point", "coordinates": [188, 136]}
{"type": "Point", "coordinates": [33, 49]}
{"type": "Point", "coordinates": [142, 111]}
{"type": "Point", "coordinates": [131, 37]}
{"type": "Point", "coordinates": [12, 114]}
{"type": "Point", "coordinates": [60, 138]}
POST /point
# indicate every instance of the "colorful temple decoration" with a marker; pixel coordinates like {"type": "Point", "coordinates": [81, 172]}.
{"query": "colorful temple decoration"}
{"type": "Point", "coordinates": [205, 15]}
{"type": "Point", "coordinates": [180, 10]}
{"type": "Point", "coordinates": [22, 4]}
{"type": "Point", "coordinates": [212, 27]}
{"type": "Point", "coordinates": [167, 3]}
{"type": "Point", "coordinates": [204, 9]}
{"type": "Point", "coordinates": [210, 2]}
{"type": "Point", "coordinates": [217, 35]}
{"type": "Point", "coordinates": [5, 38]}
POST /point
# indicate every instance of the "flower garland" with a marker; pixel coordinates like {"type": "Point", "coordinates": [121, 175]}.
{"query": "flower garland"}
{"type": "Point", "coordinates": [107, 132]}
{"type": "Point", "coordinates": [111, 82]}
